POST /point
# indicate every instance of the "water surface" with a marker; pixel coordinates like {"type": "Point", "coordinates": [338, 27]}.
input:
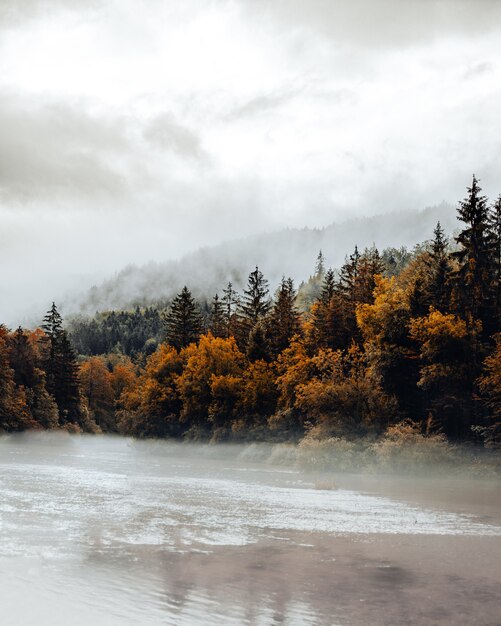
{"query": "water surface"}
{"type": "Point", "coordinates": [105, 531]}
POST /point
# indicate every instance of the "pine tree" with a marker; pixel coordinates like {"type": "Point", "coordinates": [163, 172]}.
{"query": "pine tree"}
{"type": "Point", "coordinates": [61, 369]}
{"type": "Point", "coordinates": [495, 238]}
{"type": "Point", "coordinates": [255, 304]}
{"type": "Point", "coordinates": [320, 266]}
{"type": "Point", "coordinates": [218, 324]}
{"type": "Point", "coordinates": [437, 264]}
{"type": "Point", "coordinates": [284, 319]}
{"type": "Point", "coordinates": [473, 278]}
{"type": "Point", "coordinates": [328, 287]}
{"type": "Point", "coordinates": [231, 304]}
{"type": "Point", "coordinates": [257, 344]}
{"type": "Point", "coordinates": [183, 322]}
{"type": "Point", "coordinates": [348, 276]}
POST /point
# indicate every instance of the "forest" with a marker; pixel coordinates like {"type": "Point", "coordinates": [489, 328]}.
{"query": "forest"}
{"type": "Point", "coordinates": [390, 343]}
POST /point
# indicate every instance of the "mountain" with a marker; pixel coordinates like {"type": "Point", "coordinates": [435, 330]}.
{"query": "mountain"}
{"type": "Point", "coordinates": [289, 252]}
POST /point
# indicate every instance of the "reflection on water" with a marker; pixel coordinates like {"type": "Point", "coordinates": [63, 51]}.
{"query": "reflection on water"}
{"type": "Point", "coordinates": [108, 531]}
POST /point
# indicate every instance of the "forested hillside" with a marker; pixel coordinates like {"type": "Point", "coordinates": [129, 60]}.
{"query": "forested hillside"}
{"type": "Point", "coordinates": [387, 345]}
{"type": "Point", "coordinates": [290, 252]}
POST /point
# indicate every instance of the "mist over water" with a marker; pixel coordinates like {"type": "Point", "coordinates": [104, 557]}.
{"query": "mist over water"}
{"type": "Point", "coordinates": [114, 531]}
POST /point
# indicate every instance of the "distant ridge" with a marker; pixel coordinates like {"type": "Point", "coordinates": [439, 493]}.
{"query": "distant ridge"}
{"type": "Point", "coordinates": [290, 252]}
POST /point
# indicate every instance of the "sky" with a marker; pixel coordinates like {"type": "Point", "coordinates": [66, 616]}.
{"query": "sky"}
{"type": "Point", "coordinates": [137, 130]}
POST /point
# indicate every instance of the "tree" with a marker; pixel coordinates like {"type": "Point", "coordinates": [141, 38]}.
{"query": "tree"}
{"type": "Point", "coordinates": [495, 236]}
{"type": "Point", "coordinates": [257, 344]}
{"type": "Point", "coordinates": [25, 362]}
{"type": "Point", "coordinates": [473, 277]}
{"type": "Point", "coordinates": [151, 406]}
{"type": "Point", "coordinates": [183, 322]}
{"type": "Point", "coordinates": [284, 320]}
{"type": "Point", "coordinates": [448, 371]}
{"type": "Point", "coordinates": [218, 321]}
{"type": "Point", "coordinates": [320, 266]}
{"type": "Point", "coordinates": [436, 287]}
{"type": "Point", "coordinates": [14, 411]}
{"type": "Point", "coordinates": [61, 369]}
{"type": "Point", "coordinates": [490, 387]}
{"type": "Point", "coordinates": [212, 356]}
{"type": "Point", "coordinates": [255, 303]}
{"type": "Point", "coordinates": [95, 380]}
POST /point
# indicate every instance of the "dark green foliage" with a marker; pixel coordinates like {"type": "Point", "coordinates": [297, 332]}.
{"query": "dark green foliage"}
{"type": "Point", "coordinates": [473, 279]}
{"type": "Point", "coordinates": [436, 287]}
{"type": "Point", "coordinates": [257, 345]}
{"type": "Point", "coordinates": [61, 369]}
{"type": "Point", "coordinates": [284, 320]}
{"type": "Point", "coordinates": [255, 303]}
{"type": "Point", "coordinates": [218, 320]}
{"type": "Point", "coordinates": [127, 332]}
{"type": "Point", "coordinates": [183, 322]}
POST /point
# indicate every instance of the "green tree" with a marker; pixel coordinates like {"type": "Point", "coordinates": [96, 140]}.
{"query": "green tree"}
{"type": "Point", "coordinates": [436, 287]}
{"type": "Point", "coordinates": [473, 277]}
{"type": "Point", "coordinates": [183, 322]}
{"type": "Point", "coordinates": [218, 322]}
{"type": "Point", "coordinates": [284, 320]}
{"type": "Point", "coordinates": [61, 370]}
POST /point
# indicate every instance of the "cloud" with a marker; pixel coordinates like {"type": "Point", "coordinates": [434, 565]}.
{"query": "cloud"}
{"type": "Point", "coordinates": [168, 134]}
{"type": "Point", "coordinates": [380, 24]}
{"type": "Point", "coordinates": [14, 12]}
{"type": "Point", "coordinates": [51, 149]}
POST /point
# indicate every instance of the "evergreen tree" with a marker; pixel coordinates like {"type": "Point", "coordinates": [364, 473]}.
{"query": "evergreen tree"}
{"type": "Point", "coordinates": [473, 278]}
{"type": "Point", "coordinates": [495, 237]}
{"type": "Point", "coordinates": [328, 287]}
{"type": "Point", "coordinates": [437, 265]}
{"type": "Point", "coordinates": [183, 322]}
{"type": "Point", "coordinates": [231, 303]}
{"type": "Point", "coordinates": [257, 344]}
{"type": "Point", "coordinates": [61, 370]}
{"type": "Point", "coordinates": [284, 321]}
{"type": "Point", "coordinates": [320, 265]}
{"type": "Point", "coordinates": [255, 303]}
{"type": "Point", "coordinates": [218, 324]}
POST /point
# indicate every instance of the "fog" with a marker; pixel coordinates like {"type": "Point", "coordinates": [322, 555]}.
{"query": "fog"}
{"type": "Point", "coordinates": [132, 135]}
{"type": "Point", "coordinates": [122, 532]}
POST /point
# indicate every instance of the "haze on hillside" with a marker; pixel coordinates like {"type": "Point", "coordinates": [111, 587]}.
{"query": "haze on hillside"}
{"type": "Point", "coordinates": [134, 132]}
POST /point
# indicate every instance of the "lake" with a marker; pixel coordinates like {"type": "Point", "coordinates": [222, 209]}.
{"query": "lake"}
{"type": "Point", "coordinates": [109, 531]}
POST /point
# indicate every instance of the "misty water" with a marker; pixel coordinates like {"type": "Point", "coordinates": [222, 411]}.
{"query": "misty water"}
{"type": "Point", "coordinates": [105, 531]}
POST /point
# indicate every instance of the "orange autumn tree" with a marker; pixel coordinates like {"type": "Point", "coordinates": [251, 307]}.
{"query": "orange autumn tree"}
{"type": "Point", "coordinates": [449, 364]}
{"type": "Point", "coordinates": [206, 365]}
{"type": "Point", "coordinates": [151, 407]}
{"type": "Point", "coordinates": [96, 385]}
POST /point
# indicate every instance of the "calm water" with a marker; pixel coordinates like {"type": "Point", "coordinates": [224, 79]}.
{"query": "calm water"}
{"type": "Point", "coordinates": [107, 531]}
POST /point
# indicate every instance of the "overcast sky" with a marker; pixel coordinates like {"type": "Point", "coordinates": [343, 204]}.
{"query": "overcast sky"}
{"type": "Point", "coordinates": [135, 130]}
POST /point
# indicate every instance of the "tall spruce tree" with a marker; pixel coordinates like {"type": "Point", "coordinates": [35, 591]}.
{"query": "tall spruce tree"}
{"type": "Point", "coordinates": [473, 278]}
{"type": "Point", "coordinates": [436, 288]}
{"type": "Point", "coordinates": [183, 322]}
{"type": "Point", "coordinates": [61, 369]}
{"type": "Point", "coordinates": [284, 319]}
{"type": "Point", "coordinates": [255, 303]}
{"type": "Point", "coordinates": [218, 324]}
{"type": "Point", "coordinates": [495, 237]}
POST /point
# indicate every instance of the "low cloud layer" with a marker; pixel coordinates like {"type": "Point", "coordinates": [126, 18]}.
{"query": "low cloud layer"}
{"type": "Point", "coordinates": [132, 134]}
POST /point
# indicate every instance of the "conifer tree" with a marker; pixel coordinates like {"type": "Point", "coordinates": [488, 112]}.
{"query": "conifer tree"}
{"type": "Point", "coordinates": [495, 237]}
{"type": "Point", "coordinates": [257, 344]}
{"type": "Point", "coordinates": [473, 278]}
{"type": "Point", "coordinates": [218, 324]}
{"type": "Point", "coordinates": [320, 265]}
{"type": "Point", "coordinates": [183, 322]}
{"type": "Point", "coordinates": [437, 264]}
{"type": "Point", "coordinates": [255, 303]}
{"type": "Point", "coordinates": [61, 369]}
{"type": "Point", "coordinates": [283, 321]}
